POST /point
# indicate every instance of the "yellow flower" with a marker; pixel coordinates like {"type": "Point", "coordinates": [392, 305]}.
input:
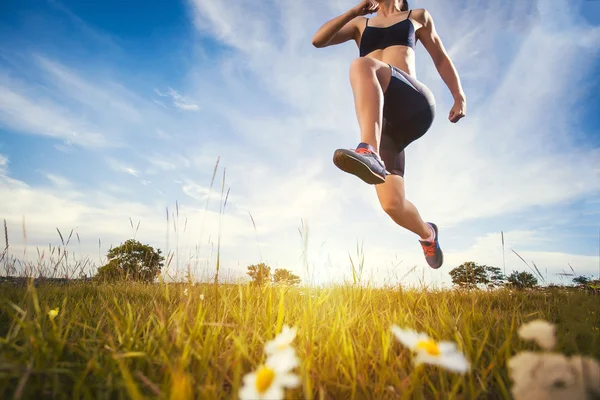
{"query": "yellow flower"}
{"type": "Point", "coordinates": [428, 351]}
{"type": "Point", "coordinates": [53, 313]}
{"type": "Point", "coordinates": [181, 386]}
{"type": "Point", "coordinates": [540, 331]}
{"type": "Point", "coordinates": [282, 341]}
{"type": "Point", "coordinates": [270, 379]}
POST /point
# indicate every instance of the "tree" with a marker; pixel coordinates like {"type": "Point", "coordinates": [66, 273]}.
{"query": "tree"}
{"type": "Point", "coordinates": [586, 283]}
{"type": "Point", "coordinates": [468, 275]}
{"type": "Point", "coordinates": [286, 277]}
{"type": "Point", "coordinates": [581, 281]}
{"type": "Point", "coordinates": [260, 273]}
{"type": "Point", "coordinates": [132, 261]}
{"type": "Point", "coordinates": [495, 276]}
{"type": "Point", "coordinates": [110, 273]}
{"type": "Point", "coordinates": [522, 280]}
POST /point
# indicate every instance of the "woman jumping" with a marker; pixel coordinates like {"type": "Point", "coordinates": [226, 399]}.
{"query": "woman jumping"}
{"type": "Point", "coordinates": [393, 108]}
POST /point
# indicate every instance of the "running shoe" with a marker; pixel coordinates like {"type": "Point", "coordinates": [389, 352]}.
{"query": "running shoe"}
{"type": "Point", "coordinates": [363, 162]}
{"type": "Point", "coordinates": [433, 252]}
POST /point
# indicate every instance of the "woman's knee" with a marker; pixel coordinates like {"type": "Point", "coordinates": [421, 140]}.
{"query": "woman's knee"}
{"type": "Point", "coordinates": [368, 68]}
{"type": "Point", "coordinates": [361, 66]}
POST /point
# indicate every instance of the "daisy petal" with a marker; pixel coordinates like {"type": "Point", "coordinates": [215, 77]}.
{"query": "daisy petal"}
{"type": "Point", "coordinates": [288, 380]}
{"type": "Point", "coordinates": [408, 337]}
{"type": "Point", "coordinates": [423, 357]}
{"type": "Point", "coordinates": [447, 347]}
{"type": "Point", "coordinates": [284, 360]}
{"type": "Point", "coordinates": [275, 392]}
{"type": "Point", "coordinates": [281, 341]}
{"type": "Point", "coordinates": [455, 363]}
{"type": "Point", "coordinates": [250, 378]}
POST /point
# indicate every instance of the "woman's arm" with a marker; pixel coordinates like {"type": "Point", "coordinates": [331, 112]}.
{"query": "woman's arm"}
{"type": "Point", "coordinates": [433, 44]}
{"type": "Point", "coordinates": [344, 27]}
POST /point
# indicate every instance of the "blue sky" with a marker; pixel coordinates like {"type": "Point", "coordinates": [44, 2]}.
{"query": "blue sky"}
{"type": "Point", "coordinates": [111, 111]}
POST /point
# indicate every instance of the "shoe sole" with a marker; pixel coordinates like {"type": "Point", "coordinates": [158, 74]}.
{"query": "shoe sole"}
{"type": "Point", "coordinates": [344, 160]}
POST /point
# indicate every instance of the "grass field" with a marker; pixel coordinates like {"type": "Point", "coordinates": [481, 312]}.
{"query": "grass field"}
{"type": "Point", "coordinates": [163, 341]}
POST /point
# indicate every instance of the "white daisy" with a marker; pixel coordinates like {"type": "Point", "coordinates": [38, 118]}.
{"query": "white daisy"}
{"type": "Point", "coordinates": [428, 351]}
{"type": "Point", "coordinates": [284, 360]}
{"type": "Point", "coordinates": [282, 341]}
{"type": "Point", "coordinates": [270, 380]}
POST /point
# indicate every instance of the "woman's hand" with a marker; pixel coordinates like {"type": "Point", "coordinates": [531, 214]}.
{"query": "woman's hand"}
{"type": "Point", "coordinates": [459, 110]}
{"type": "Point", "coordinates": [366, 7]}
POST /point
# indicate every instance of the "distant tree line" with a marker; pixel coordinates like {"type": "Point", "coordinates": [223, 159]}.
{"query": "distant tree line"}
{"type": "Point", "coordinates": [261, 274]}
{"type": "Point", "coordinates": [470, 275]}
{"type": "Point", "coordinates": [134, 261]}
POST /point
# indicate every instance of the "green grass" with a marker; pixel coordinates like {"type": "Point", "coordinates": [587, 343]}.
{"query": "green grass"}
{"type": "Point", "coordinates": [151, 341]}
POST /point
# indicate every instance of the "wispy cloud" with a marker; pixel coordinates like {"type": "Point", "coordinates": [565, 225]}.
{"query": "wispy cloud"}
{"type": "Point", "coordinates": [119, 166]}
{"type": "Point", "coordinates": [65, 147]}
{"type": "Point", "coordinates": [179, 101]}
{"type": "Point", "coordinates": [44, 117]}
{"type": "Point", "coordinates": [161, 164]}
{"type": "Point", "coordinates": [3, 164]}
{"type": "Point", "coordinates": [100, 37]}
{"type": "Point", "coordinates": [58, 181]}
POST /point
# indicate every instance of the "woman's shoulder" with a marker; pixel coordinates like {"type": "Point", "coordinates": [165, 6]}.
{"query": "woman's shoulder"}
{"type": "Point", "coordinates": [421, 15]}
{"type": "Point", "coordinates": [361, 19]}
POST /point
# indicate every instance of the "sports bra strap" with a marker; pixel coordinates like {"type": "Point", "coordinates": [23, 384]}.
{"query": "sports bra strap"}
{"type": "Point", "coordinates": [408, 14]}
{"type": "Point", "coordinates": [366, 22]}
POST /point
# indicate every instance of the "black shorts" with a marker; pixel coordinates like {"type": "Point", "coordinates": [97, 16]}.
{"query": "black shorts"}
{"type": "Point", "coordinates": [408, 112]}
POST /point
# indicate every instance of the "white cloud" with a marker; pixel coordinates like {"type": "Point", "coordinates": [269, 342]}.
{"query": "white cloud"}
{"type": "Point", "coordinates": [43, 117]}
{"type": "Point", "coordinates": [179, 101]}
{"type": "Point", "coordinates": [111, 97]}
{"type": "Point", "coordinates": [160, 164]}
{"type": "Point", "coordinates": [82, 106]}
{"type": "Point", "coordinates": [58, 181]}
{"type": "Point", "coordinates": [3, 164]}
{"type": "Point", "coordinates": [66, 147]}
{"type": "Point", "coordinates": [119, 166]}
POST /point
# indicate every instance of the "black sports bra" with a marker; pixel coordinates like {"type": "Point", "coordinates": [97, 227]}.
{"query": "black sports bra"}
{"type": "Point", "coordinates": [400, 33]}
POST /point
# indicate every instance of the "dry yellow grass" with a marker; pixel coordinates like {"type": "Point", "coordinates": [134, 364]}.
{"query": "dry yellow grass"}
{"type": "Point", "coordinates": [152, 341]}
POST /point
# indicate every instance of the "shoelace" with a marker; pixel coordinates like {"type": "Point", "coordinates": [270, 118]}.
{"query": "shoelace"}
{"type": "Point", "coordinates": [429, 249]}
{"type": "Point", "coordinates": [362, 150]}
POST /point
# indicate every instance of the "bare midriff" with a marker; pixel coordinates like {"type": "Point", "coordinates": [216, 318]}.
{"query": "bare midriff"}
{"type": "Point", "coordinates": [401, 57]}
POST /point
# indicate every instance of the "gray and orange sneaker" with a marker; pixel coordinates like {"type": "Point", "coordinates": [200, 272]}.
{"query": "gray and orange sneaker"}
{"type": "Point", "coordinates": [363, 162]}
{"type": "Point", "coordinates": [433, 252]}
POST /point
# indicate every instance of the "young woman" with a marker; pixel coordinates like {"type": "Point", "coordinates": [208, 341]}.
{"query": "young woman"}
{"type": "Point", "coordinates": [393, 108]}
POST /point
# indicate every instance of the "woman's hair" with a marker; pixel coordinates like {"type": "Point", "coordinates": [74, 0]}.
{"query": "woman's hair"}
{"type": "Point", "coordinates": [404, 6]}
